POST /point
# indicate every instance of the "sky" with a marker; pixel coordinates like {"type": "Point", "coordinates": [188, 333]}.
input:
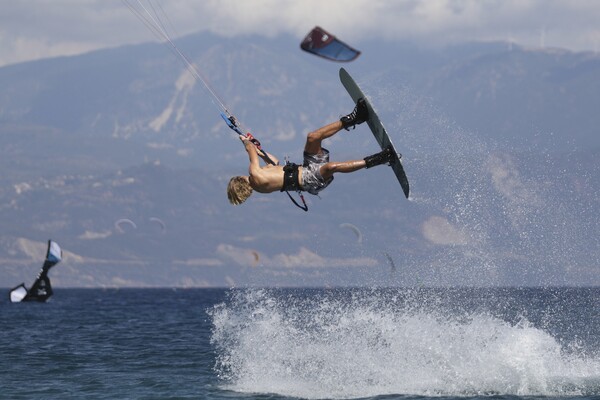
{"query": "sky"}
{"type": "Point", "coordinates": [35, 29]}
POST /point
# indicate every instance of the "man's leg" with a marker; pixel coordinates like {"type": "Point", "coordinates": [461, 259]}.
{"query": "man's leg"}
{"type": "Point", "coordinates": [383, 157]}
{"type": "Point", "coordinates": [330, 168]}
{"type": "Point", "coordinates": [359, 115]}
{"type": "Point", "coordinates": [314, 139]}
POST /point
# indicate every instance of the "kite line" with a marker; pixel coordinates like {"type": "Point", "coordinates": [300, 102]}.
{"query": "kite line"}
{"type": "Point", "coordinates": [150, 16]}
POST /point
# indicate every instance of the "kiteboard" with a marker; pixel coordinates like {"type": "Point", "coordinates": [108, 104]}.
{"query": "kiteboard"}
{"type": "Point", "coordinates": [377, 128]}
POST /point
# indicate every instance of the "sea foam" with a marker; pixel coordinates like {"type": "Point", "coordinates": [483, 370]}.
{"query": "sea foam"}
{"type": "Point", "coordinates": [361, 344]}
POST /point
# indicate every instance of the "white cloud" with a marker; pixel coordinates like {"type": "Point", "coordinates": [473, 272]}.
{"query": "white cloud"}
{"type": "Point", "coordinates": [522, 197]}
{"type": "Point", "coordinates": [304, 258]}
{"type": "Point", "coordinates": [31, 29]}
{"type": "Point", "coordinates": [439, 230]}
{"type": "Point", "coordinates": [508, 182]}
{"type": "Point", "coordinates": [91, 235]}
{"type": "Point", "coordinates": [199, 262]}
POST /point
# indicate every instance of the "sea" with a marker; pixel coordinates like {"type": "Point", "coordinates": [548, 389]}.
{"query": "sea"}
{"type": "Point", "coordinates": [334, 343]}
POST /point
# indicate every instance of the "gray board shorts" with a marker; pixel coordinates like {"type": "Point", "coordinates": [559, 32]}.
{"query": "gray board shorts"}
{"type": "Point", "coordinates": [312, 181]}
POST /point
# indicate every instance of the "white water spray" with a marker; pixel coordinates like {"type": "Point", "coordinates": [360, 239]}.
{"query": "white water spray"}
{"type": "Point", "coordinates": [361, 345]}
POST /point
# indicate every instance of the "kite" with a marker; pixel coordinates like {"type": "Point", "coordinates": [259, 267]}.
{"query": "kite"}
{"type": "Point", "coordinates": [41, 289]}
{"type": "Point", "coordinates": [324, 44]}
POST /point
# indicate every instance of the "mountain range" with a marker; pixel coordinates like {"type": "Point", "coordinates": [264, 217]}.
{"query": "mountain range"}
{"type": "Point", "coordinates": [120, 156]}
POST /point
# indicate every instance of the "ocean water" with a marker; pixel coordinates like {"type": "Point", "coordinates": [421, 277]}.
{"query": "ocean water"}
{"type": "Point", "coordinates": [303, 343]}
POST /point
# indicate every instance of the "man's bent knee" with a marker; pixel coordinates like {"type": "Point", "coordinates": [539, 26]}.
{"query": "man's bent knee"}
{"type": "Point", "coordinates": [313, 137]}
{"type": "Point", "coordinates": [313, 143]}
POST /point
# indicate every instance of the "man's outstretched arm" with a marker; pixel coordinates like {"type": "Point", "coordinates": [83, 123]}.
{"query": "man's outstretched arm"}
{"type": "Point", "coordinates": [251, 150]}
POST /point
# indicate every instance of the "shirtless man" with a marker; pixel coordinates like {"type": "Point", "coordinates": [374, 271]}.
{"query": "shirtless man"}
{"type": "Point", "coordinates": [315, 173]}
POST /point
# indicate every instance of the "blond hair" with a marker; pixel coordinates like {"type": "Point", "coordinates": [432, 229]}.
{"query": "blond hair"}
{"type": "Point", "coordinates": [238, 190]}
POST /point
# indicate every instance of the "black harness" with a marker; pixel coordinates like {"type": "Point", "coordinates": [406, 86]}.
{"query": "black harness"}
{"type": "Point", "coordinates": [290, 177]}
{"type": "Point", "coordinates": [291, 181]}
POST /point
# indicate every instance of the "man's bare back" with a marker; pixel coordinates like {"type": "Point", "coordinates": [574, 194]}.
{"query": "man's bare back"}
{"type": "Point", "coordinates": [268, 179]}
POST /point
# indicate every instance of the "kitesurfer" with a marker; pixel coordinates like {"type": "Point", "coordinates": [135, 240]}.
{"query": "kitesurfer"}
{"type": "Point", "coordinates": [316, 171]}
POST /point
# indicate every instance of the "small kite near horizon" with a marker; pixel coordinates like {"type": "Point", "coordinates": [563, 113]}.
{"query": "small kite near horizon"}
{"type": "Point", "coordinates": [120, 222]}
{"type": "Point", "coordinates": [324, 44]}
{"type": "Point", "coordinates": [355, 229]}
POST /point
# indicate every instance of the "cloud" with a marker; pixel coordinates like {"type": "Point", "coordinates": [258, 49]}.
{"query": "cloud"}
{"type": "Point", "coordinates": [508, 182]}
{"type": "Point", "coordinates": [522, 197]}
{"type": "Point", "coordinates": [439, 230]}
{"type": "Point", "coordinates": [199, 262]}
{"type": "Point", "coordinates": [37, 29]}
{"type": "Point", "coordinates": [91, 235]}
{"type": "Point", "coordinates": [304, 258]}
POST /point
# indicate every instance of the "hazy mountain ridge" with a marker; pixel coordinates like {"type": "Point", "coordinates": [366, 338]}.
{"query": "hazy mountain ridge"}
{"type": "Point", "coordinates": [126, 133]}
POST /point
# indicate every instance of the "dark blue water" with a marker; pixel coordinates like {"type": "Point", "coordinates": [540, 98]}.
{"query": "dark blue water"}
{"type": "Point", "coordinates": [276, 344]}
